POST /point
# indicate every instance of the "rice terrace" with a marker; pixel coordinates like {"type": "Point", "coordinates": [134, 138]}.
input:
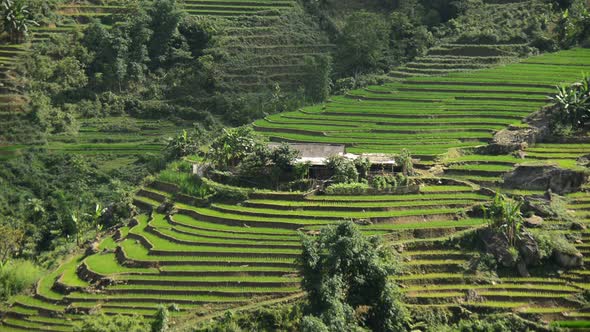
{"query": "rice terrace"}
{"type": "Point", "coordinates": [294, 165]}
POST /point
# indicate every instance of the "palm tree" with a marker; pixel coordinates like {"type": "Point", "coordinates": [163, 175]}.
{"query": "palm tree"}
{"type": "Point", "coordinates": [16, 19]}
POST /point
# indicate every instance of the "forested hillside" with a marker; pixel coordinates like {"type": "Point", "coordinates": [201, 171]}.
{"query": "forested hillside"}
{"type": "Point", "coordinates": [166, 165]}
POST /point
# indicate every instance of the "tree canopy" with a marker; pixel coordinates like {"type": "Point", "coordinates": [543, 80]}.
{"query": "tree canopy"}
{"type": "Point", "coordinates": [343, 271]}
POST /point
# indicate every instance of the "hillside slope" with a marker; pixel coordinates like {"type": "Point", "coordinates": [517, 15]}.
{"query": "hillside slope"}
{"type": "Point", "coordinates": [209, 259]}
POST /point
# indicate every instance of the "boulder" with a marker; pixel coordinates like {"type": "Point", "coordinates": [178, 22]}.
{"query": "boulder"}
{"type": "Point", "coordinates": [569, 261]}
{"type": "Point", "coordinates": [511, 139]}
{"type": "Point", "coordinates": [528, 249]}
{"type": "Point", "coordinates": [522, 270]}
{"type": "Point", "coordinates": [533, 221]}
{"type": "Point", "coordinates": [92, 248]}
{"type": "Point", "coordinates": [576, 226]}
{"type": "Point", "coordinates": [543, 177]}
{"type": "Point", "coordinates": [496, 243]}
{"type": "Point", "coordinates": [540, 207]}
{"type": "Point", "coordinates": [165, 208]}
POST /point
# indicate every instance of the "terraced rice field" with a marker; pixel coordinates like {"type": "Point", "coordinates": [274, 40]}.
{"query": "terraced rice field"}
{"type": "Point", "coordinates": [488, 170]}
{"type": "Point", "coordinates": [12, 99]}
{"type": "Point", "coordinates": [256, 51]}
{"type": "Point", "coordinates": [208, 259]}
{"type": "Point", "coordinates": [456, 56]}
{"type": "Point", "coordinates": [430, 115]}
{"type": "Point", "coordinates": [268, 54]}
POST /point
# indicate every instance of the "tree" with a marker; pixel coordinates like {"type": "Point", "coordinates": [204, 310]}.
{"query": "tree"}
{"type": "Point", "coordinates": [77, 222]}
{"type": "Point", "coordinates": [160, 324]}
{"type": "Point", "coordinates": [16, 19]}
{"type": "Point", "coordinates": [363, 43]}
{"type": "Point", "coordinates": [405, 161]}
{"type": "Point", "coordinates": [11, 239]}
{"type": "Point", "coordinates": [408, 38]}
{"type": "Point", "coordinates": [318, 84]}
{"type": "Point", "coordinates": [182, 145]}
{"type": "Point", "coordinates": [342, 271]}
{"type": "Point", "coordinates": [232, 146]}
{"type": "Point", "coordinates": [573, 26]}
{"type": "Point", "coordinates": [343, 169]}
{"type": "Point", "coordinates": [283, 157]}
{"type": "Point", "coordinates": [165, 18]}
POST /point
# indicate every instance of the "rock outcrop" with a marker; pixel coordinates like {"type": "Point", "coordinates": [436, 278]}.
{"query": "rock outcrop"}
{"type": "Point", "coordinates": [569, 261]}
{"type": "Point", "coordinates": [512, 139]}
{"type": "Point", "coordinates": [544, 177]}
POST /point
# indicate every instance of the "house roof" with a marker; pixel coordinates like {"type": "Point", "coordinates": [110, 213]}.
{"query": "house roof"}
{"type": "Point", "coordinates": [317, 153]}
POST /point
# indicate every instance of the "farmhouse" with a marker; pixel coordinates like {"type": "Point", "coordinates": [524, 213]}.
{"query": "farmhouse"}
{"type": "Point", "coordinates": [317, 154]}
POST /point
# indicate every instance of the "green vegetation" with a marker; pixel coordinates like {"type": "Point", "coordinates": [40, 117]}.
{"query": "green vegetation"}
{"type": "Point", "coordinates": [16, 276]}
{"type": "Point", "coordinates": [571, 107]}
{"type": "Point", "coordinates": [103, 323]}
{"type": "Point", "coordinates": [122, 177]}
{"type": "Point", "coordinates": [335, 290]}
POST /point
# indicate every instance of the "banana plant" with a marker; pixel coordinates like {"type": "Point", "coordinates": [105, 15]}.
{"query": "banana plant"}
{"type": "Point", "coordinates": [573, 104]}
{"type": "Point", "coordinates": [16, 19]}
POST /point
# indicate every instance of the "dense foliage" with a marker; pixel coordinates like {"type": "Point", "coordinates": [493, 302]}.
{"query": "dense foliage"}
{"type": "Point", "coordinates": [17, 276]}
{"type": "Point", "coordinates": [104, 323]}
{"type": "Point", "coordinates": [41, 192]}
{"type": "Point", "coordinates": [242, 157]}
{"type": "Point", "coordinates": [343, 271]}
{"type": "Point", "coordinates": [571, 108]}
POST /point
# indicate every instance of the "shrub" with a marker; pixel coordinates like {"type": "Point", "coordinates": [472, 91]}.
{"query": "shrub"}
{"type": "Point", "coordinates": [560, 244]}
{"type": "Point", "coordinates": [103, 323]}
{"type": "Point", "coordinates": [16, 276]}
{"type": "Point", "coordinates": [161, 323]}
{"type": "Point", "coordinates": [496, 322]}
{"type": "Point", "coordinates": [343, 169]}
{"type": "Point", "coordinates": [405, 161]}
{"type": "Point", "coordinates": [347, 189]}
{"type": "Point", "coordinates": [182, 145]}
{"type": "Point", "coordinates": [504, 215]}
{"type": "Point", "coordinates": [188, 184]}
{"type": "Point", "coordinates": [571, 108]}
{"type": "Point", "coordinates": [550, 242]}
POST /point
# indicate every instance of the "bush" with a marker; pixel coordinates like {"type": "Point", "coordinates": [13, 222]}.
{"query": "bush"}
{"type": "Point", "coordinates": [343, 169]}
{"type": "Point", "coordinates": [571, 109]}
{"type": "Point", "coordinates": [182, 145]}
{"type": "Point", "coordinates": [348, 189]}
{"type": "Point", "coordinates": [188, 184]}
{"type": "Point", "coordinates": [549, 243]}
{"type": "Point", "coordinates": [104, 323]}
{"type": "Point", "coordinates": [16, 276]}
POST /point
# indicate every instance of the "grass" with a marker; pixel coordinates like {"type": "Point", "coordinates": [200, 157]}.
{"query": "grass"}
{"type": "Point", "coordinates": [429, 193]}
{"type": "Point", "coordinates": [368, 205]}
{"type": "Point", "coordinates": [106, 264]}
{"type": "Point", "coordinates": [334, 214]}
{"type": "Point", "coordinates": [573, 324]}
{"type": "Point", "coordinates": [136, 251]}
{"type": "Point", "coordinates": [237, 231]}
{"type": "Point", "coordinates": [165, 245]}
{"type": "Point", "coordinates": [336, 121]}
{"type": "Point", "coordinates": [45, 284]}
